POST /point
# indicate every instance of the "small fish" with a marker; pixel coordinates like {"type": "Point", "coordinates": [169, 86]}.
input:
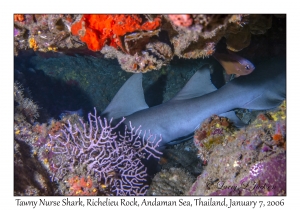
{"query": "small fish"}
{"type": "Point", "coordinates": [234, 64]}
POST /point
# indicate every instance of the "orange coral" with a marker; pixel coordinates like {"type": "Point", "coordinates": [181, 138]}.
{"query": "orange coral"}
{"type": "Point", "coordinates": [40, 129]}
{"type": "Point", "coordinates": [33, 44]}
{"type": "Point", "coordinates": [277, 137]}
{"type": "Point", "coordinates": [55, 127]}
{"type": "Point", "coordinates": [262, 117]}
{"type": "Point", "coordinates": [19, 18]}
{"type": "Point", "coordinates": [81, 186]}
{"type": "Point", "coordinates": [279, 140]}
{"type": "Point", "coordinates": [98, 30]}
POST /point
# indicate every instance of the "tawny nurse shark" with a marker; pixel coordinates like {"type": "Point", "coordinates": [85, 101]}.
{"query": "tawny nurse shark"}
{"type": "Point", "coordinates": [176, 119]}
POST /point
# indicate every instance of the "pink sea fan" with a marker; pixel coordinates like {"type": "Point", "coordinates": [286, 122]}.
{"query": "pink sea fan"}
{"type": "Point", "coordinates": [114, 159]}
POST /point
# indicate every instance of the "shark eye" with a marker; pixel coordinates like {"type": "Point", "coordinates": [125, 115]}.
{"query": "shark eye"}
{"type": "Point", "coordinates": [247, 67]}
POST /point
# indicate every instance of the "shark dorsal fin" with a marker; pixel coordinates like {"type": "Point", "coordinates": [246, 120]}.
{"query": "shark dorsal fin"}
{"type": "Point", "coordinates": [129, 99]}
{"type": "Point", "coordinates": [199, 84]}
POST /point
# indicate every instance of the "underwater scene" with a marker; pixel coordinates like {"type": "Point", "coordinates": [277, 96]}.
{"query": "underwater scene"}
{"type": "Point", "coordinates": [149, 104]}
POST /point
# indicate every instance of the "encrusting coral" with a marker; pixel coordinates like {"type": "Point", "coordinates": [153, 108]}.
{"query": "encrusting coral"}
{"type": "Point", "coordinates": [98, 30]}
{"type": "Point", "coordinates": [171, 182]}
{"type": "Point", "coordinates": [141, 43]}
{"type": "Point", "coordinates": [181, 20]}
{"type": "Point", "coordinates": [213, 131]}
{"type": "Point", "coordinates": [249, 161]}
{"type": "Point", "coordinates": [30, 177]}
{"type": "Point", "coordinates": [26, 106]}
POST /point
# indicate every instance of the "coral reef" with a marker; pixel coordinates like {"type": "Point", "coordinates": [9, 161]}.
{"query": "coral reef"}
{"type": "Point", "coordinates": [31, 177]}
{"type": "Point", "coordinates": [200, 38]}
{"type": "Point", "coordinates": [143, 51]}
{"type": "Point", "coordinates": [173, 181]}
{"type": "Point", "coordinates": [44, 32]}
{"type": "Point", "coordinates": [70, 157]}
{"type": "Point", "coordinates": [24, 105]}
{"type": "Point", "coordinates": [213, 131]}
{"type": "Point", "coordinates": [141, 43]}
{"type": "Point", "coordinates": [141, 63]}
{"type": "Point", "coordinates": [249, 161]}
{"type": "Point", "coordinates": [181, 20]}
{"type": "Point", "coordinates": [98, 30]}
{"type": "Point", "coordinates": [182, 156]}
{"type": "Point", "coordinates": [19, 18]}
{"type": "Point", "coordinates": [95, 154]}
{"type": "Point", "coordinates": [81, 186]}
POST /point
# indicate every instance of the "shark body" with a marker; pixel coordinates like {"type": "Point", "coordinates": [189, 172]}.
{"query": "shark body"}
{"type": "Point", "coordinates": [175, 120]}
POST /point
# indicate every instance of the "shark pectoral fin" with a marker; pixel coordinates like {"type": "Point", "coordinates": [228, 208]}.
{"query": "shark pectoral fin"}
{"type": "Point", "coordinates": [199, 84]}
{"type": "Point", "coordinates": [129, 99]}
{"type": "Point", "coordinates": [233, 118]}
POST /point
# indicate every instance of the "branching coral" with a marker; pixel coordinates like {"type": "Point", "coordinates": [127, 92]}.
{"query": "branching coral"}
{"type": "Point", "coordinates": [112, 159]}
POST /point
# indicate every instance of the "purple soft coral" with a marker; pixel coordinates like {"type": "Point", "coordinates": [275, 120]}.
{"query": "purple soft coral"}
{"type": "Point", "coordinates": [112, 158]}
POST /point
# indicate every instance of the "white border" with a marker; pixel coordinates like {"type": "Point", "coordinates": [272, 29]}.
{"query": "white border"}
{"type": "Point", "coordinates": [8, 8]}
